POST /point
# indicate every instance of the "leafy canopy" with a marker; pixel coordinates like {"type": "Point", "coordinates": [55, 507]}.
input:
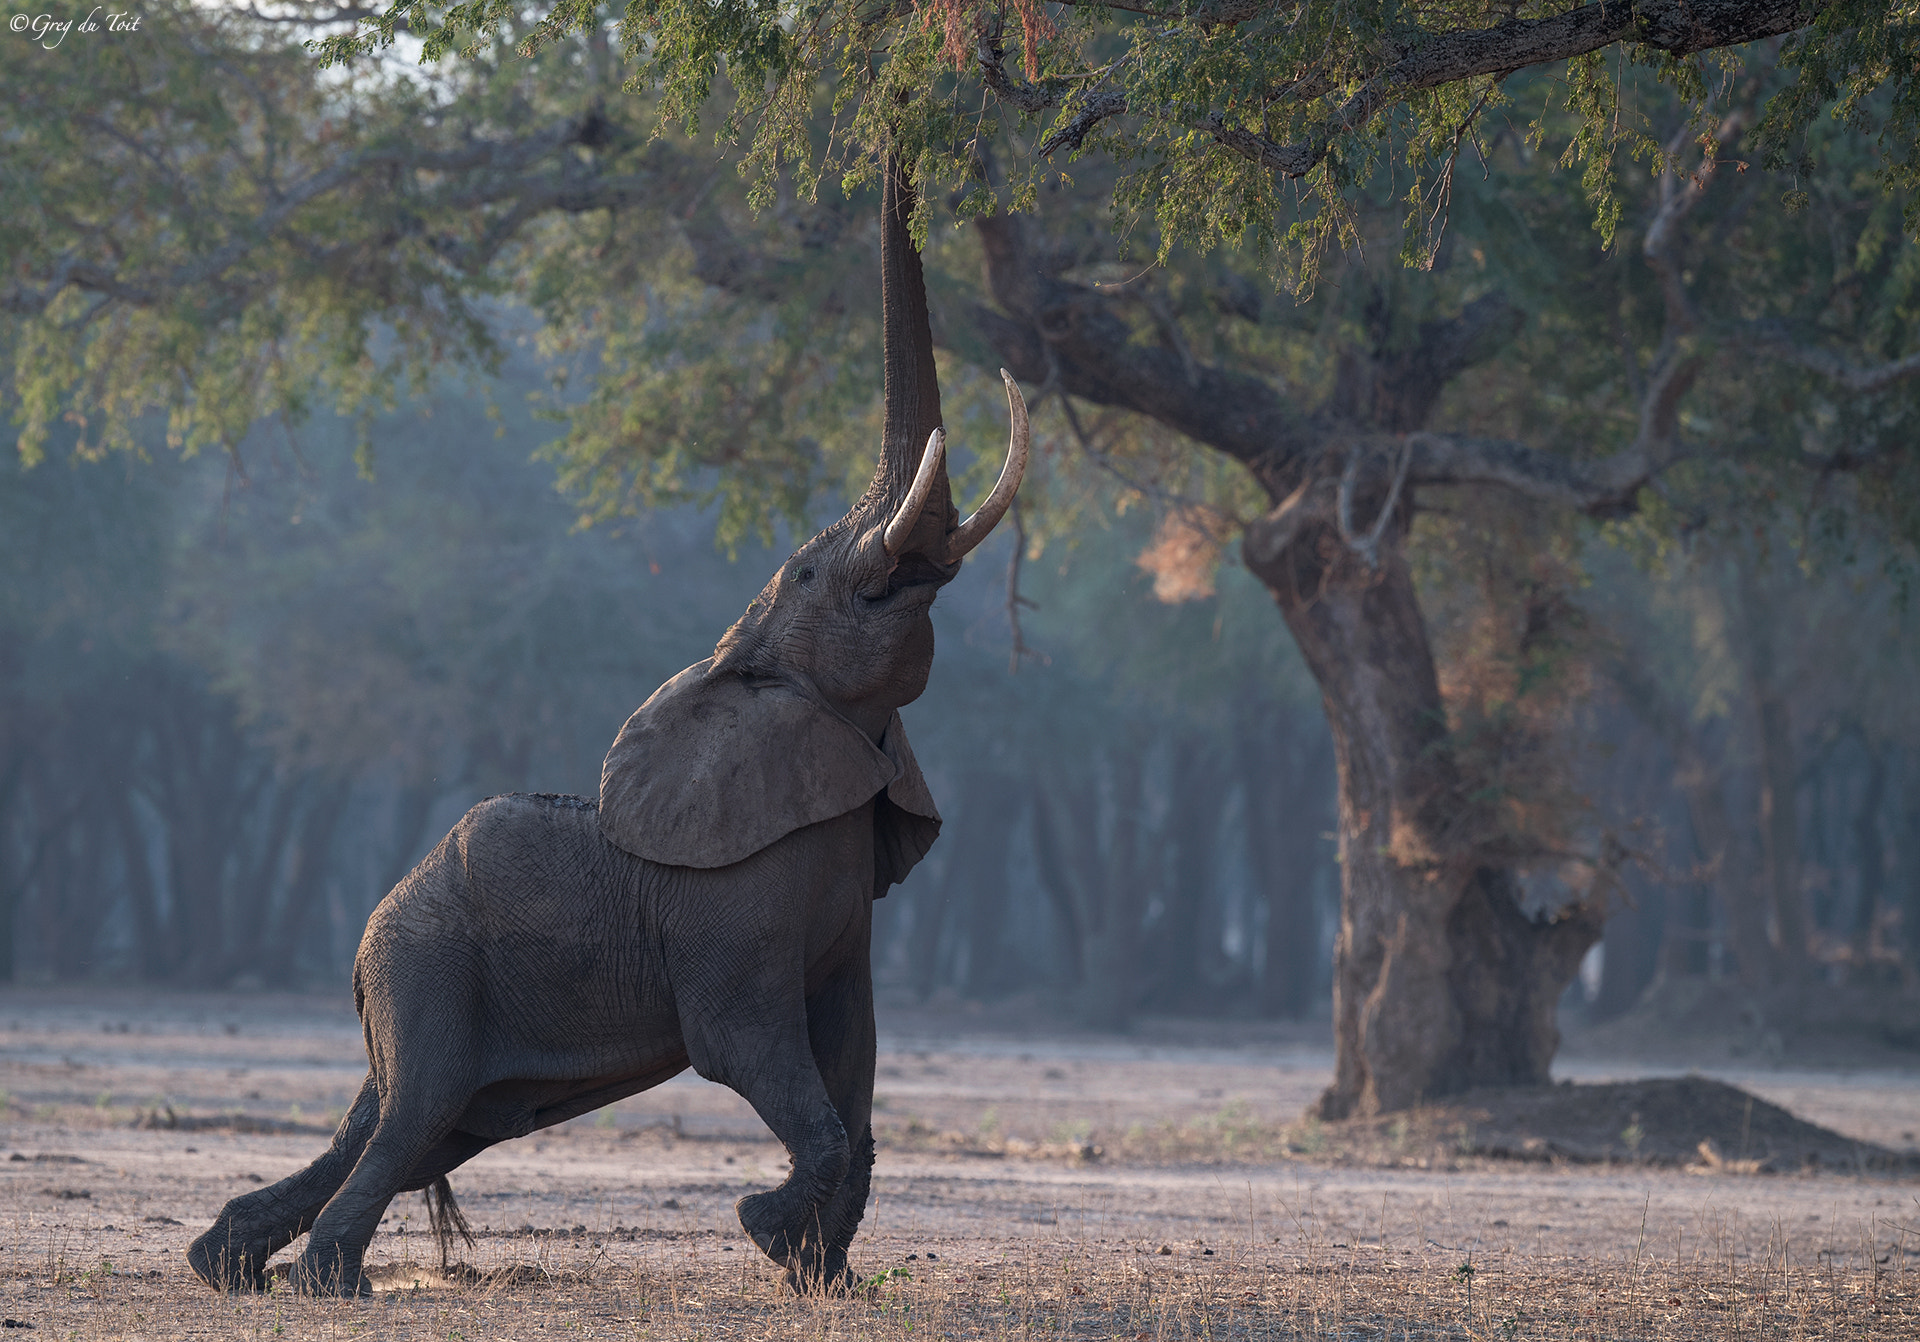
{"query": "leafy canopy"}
{"type": "Point", "coordinates": [1240, 122]}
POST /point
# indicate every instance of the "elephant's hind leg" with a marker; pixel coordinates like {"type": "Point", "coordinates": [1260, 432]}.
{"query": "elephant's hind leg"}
{"type": "Point", "coordinates": [411, 1125]}
{"type": "Point", "coordinates": [421, 1101]}
{"type": "Point", "coordinates": [232, 1255]}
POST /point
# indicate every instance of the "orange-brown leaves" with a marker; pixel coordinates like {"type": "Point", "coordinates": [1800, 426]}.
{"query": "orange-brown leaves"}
{"type": "Point", "coordinates": [963, 22]}
{"type": "Point", "coordinates": [1184, 555]}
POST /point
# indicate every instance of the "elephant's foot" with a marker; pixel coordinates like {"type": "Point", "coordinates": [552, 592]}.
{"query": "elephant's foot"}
{"type": "Point", "coordinates": [229, 1261]}
{"type": "Point", "coordinates": [788, 1231]}
{"type": "Point", "coordinates": [330, 1269]}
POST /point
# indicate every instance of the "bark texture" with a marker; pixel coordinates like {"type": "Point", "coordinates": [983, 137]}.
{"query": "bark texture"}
{"type": "Point", "coordinates": [1441, 982]}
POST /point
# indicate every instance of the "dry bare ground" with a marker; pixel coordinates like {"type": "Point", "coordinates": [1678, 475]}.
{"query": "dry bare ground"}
{"type": "Point", "coordinates": [1045, 1185]}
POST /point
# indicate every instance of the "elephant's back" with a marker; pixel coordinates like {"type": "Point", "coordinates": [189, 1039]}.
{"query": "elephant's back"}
{"type": "Point", "coordinates": [514, 866]}
{"type": "Point", "coordinates": [517, 835]}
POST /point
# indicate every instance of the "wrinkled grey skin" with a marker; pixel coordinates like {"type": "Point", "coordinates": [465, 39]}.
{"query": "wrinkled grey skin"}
{"type": "Point", "coordinates": [529, 971]}
{"type": "Point", "coordinates": [532, 968]}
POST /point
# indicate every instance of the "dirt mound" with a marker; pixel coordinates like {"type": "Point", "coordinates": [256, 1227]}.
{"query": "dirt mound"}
{"type": "Point", "coordinates": [1686, 1121]}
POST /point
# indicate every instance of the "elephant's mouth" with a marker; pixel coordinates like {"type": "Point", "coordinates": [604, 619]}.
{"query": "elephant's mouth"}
{"type": "Point", "coordinates": [916, 570]}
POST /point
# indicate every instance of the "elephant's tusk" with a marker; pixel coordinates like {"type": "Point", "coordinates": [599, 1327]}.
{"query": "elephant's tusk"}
{"type": "Point", "coordinates": [901, 524]}
{"type": "Point", "coordinates": [974, 530]}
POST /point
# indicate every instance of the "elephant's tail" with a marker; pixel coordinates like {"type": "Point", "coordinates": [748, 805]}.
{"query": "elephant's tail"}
{"type": "Point", "coordinates": [446, 1218]}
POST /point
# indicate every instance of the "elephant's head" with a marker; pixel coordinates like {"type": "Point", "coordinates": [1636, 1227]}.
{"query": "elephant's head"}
{"type": "Point", "coordinates": [792, 720]}
{"type": "Point", "coordinates": [848, 614]}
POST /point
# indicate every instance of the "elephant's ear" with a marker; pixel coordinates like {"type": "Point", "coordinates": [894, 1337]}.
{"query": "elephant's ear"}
{"type": "Point", "coordinates": [905, 823]}
{"type": "Point", "coordinates": [713, 768]}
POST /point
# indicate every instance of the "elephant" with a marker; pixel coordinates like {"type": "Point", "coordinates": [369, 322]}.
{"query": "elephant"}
{"type": "Point", "coordinates": [711, 908]}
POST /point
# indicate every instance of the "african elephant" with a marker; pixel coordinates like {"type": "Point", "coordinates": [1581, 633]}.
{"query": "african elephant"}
{"type": "Point", "coordinates": [712, 908]}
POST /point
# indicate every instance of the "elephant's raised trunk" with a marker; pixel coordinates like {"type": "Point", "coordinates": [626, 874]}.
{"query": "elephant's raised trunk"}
{"type": "Point", "coordinates": [912, 381]}
{"type": "Point", "coordinates": [911, 480]}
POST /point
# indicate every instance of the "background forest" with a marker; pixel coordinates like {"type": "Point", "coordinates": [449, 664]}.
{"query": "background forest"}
{"type": "Point", "coordinates": [414, 428]}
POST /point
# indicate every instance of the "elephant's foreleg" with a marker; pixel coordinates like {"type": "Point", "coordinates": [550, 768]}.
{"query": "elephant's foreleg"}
{"type": "Point", "coordinates": [785, 1221]}
{"type": "Point", "coordinates": [772, 1068]}
{"type": "Point", "coordinates": [232, 1254]}
{"type": "Point", "coordinates": [840, 1029]}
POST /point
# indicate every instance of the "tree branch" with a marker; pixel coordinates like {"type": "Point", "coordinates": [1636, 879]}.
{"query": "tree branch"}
{"type": "Point", "coordinates": [494, 171]}
{"type": "Point", "coordinates": [1772, 339]}
{"type": "Point", "coordinates": [1049, 331]}
{"type": "Point", "coordinates": [1424, 60]}
{"type": "Point", "coordinates": [1603, 488]}
{"type": "Point", "coordinates": [1046, 327]}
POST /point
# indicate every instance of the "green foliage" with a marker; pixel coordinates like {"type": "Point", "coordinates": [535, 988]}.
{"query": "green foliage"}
{"type": "Point", "coordinates": [198, 225]}
{"type": "Point", "coordinates": [1858, 62]}
{"type": "Point", "coordinates": [1324, 87]}
{"type": "Point", "coordinates": [1838, 278]}
{"type": "Point", "coordinates": [758, 398]}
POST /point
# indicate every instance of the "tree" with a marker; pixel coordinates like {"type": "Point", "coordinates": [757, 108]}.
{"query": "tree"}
{"type": "Point", "coordinates": [1470, 996]}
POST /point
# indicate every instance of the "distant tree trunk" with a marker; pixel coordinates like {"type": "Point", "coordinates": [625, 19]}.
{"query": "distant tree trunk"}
{"type": "Point", "coordinates": [143, 896]}
{"type": "Point", "coordinates": [413, 808]}
{"type": "Point", "coordinates": [11, 882]}
{"type": "Point", "coordinates": [1112, 984]}
{"type": "Point", "coordinates": [1870, 855]}
{"type": "Point", "coordinates": [1102, 874]}
{"type": "Point", "coordinates": [1907, 854]}
{"type": "Point", "coordinates": [1178, 973]}
{"type": "Point", "coordinates": [1633, 943]}
{"type": "Point", "coordinates": [1061, 889]}
{"type": "Point", "coordinates": [1684, 931]}
{"type": "Point", "coordinates": [977, 882]}
{"type": "Point", "coordinates": [1725, 857]}
{"type": "Point", "coordinates": [250, 898]}
{"type": "Point", "coordinates": [1286, 771]}
{"type": "Point", "coordinates": [1780, 835]}
{"type": "Point", "coordinates": [923, 938]}
{"type": "Point", "coordinates": [275, 957]}
{"type": "Point", "coordinates": [1779, 787]}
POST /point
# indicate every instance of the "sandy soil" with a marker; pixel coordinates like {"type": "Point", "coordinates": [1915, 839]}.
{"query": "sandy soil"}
{"type": "Point", "coordinates": [996, 1150]}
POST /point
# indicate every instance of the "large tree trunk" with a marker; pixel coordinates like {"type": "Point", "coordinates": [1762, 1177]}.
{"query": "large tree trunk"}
{"type": "Point", "coordinates": [1441, 982]}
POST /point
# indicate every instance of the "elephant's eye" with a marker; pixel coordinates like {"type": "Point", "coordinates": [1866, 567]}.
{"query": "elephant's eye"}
{"type": "Point", "coordinates": [804, 575]}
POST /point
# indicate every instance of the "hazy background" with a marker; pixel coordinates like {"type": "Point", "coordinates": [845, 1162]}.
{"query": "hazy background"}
{"type": "Point", "coordinates": [236, 707]}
